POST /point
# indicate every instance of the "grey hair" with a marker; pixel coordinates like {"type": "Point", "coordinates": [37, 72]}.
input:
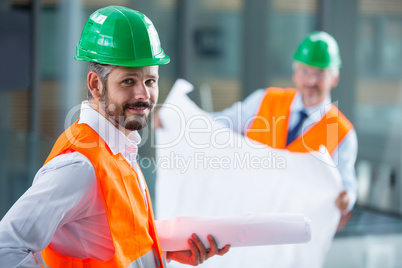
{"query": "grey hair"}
{"type": "Point", "coordinates": [103, 70]}
{"type": "Point", "coordinates": [334, 70]}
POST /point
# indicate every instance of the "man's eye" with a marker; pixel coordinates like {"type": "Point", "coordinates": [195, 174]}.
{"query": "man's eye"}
{"type": "Point", "coordinates": [128, 81]}
{"type": "Point", "coordinates": [150, 81]}
{"type": "Point", "coordinates": [304, 72]}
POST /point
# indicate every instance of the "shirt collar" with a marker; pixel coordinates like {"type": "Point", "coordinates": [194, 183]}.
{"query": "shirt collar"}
{"type": "Point", "coordinates": [315, 113]}
{"type": "Point", "coordinates": [114, 138]}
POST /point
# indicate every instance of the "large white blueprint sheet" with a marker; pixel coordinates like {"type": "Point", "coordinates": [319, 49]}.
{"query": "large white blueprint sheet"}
{"type": "Point", "coordinates": [206, 170]}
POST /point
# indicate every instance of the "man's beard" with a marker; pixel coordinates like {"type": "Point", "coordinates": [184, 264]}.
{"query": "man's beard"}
{"type": "Point", "coordinates": [117, 113]}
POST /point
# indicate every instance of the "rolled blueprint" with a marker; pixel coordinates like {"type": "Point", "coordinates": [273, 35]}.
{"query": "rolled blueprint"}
{"type": "Point", "coordinates": [238, 231]}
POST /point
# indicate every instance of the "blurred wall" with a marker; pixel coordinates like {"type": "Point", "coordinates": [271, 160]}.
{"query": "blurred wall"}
{"type": "Point", "coordinates": [227, 49]}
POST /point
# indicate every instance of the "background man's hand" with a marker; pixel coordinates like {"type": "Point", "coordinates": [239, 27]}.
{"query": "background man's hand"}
{"type": "Point", "coordinates": [342, 202]}
{"type": "Point", "coordinates": [197, 253]}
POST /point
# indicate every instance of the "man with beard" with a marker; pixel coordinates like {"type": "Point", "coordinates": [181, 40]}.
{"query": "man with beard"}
{"type": "Point", "coordinates": [89, 205]}
{"type": "Point", "coordinates": [303, 119]}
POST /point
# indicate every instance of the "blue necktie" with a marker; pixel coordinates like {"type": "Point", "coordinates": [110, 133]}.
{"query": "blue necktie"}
{"type": "Point", "coordinates": [292, 135]}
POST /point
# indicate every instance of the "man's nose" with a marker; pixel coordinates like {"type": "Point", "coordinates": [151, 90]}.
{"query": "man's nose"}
{"type": "Point", "coordinates": [141, 92]}
{"type": "Point", "coordinates": [311, 79]}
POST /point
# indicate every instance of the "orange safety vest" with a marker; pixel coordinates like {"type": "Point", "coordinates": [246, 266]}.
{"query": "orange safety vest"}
{"type": "Point", "coordinates": [132, 226]}
{"type": "Point", "coordinates": [270, 125]}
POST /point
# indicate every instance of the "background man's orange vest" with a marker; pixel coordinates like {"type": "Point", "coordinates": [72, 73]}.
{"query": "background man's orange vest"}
{"type": "Point", "coordinates": [132, 226]}
{"type": "Point", "coordinates": [270, 125]}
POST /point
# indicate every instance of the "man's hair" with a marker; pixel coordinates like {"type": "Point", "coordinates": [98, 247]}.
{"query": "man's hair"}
{"type": "Point", "coordinates": [103, 70]}
{"type": "Point", "coordinates": [334, 70]}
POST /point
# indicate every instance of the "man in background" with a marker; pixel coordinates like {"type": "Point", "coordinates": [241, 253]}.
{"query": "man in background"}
{"type": "Point", "coordinates": [303, 119]}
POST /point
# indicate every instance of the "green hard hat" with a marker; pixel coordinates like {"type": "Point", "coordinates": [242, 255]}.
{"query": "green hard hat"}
{"type": "Point", "coordinates": [120, 36]}
{"type": "Point", "coordinates": [320, 50]}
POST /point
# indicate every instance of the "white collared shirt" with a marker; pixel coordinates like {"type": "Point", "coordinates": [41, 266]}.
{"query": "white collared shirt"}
{"type": "Point", "coordinates": [242, 113]}
{"type": "Point", "coordinates": [114, 138]}
{"type": "Point", "coordinates": [64, 206]}
{"type": "Point", "coordinates": [314, 113]}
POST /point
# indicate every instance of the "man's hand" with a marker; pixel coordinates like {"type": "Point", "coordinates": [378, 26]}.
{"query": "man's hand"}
{"type": "Point", "coordinates": [197, 253]}
{"type": "Point", "coordinates": [342, 202]}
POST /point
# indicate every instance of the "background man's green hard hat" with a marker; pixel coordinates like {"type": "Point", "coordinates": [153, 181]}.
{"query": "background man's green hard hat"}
{"type": "Point", "coordinates": [120, 36]}
{"type": "Point", "coordinates": [320, 50]}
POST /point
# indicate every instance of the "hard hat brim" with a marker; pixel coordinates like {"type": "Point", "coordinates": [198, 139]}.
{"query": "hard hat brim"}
{"type": "Point", "coordinates": [83, 55]}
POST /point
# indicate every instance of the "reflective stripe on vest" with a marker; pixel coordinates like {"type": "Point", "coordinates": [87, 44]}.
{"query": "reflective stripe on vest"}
{"type": "Point", "coordinates": [270, 125]}
{"type": "Point", "coordinates": [132, 226]}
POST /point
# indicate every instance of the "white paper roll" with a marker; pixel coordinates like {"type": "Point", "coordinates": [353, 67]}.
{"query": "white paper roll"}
{"type": "Point", "coordinates": [238, 231]}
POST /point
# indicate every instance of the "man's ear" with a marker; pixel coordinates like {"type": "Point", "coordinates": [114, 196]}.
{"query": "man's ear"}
{"type": "Point", "coordinates": [94, 84]}
{"type": "Point", "coordinates": [335, 81]}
